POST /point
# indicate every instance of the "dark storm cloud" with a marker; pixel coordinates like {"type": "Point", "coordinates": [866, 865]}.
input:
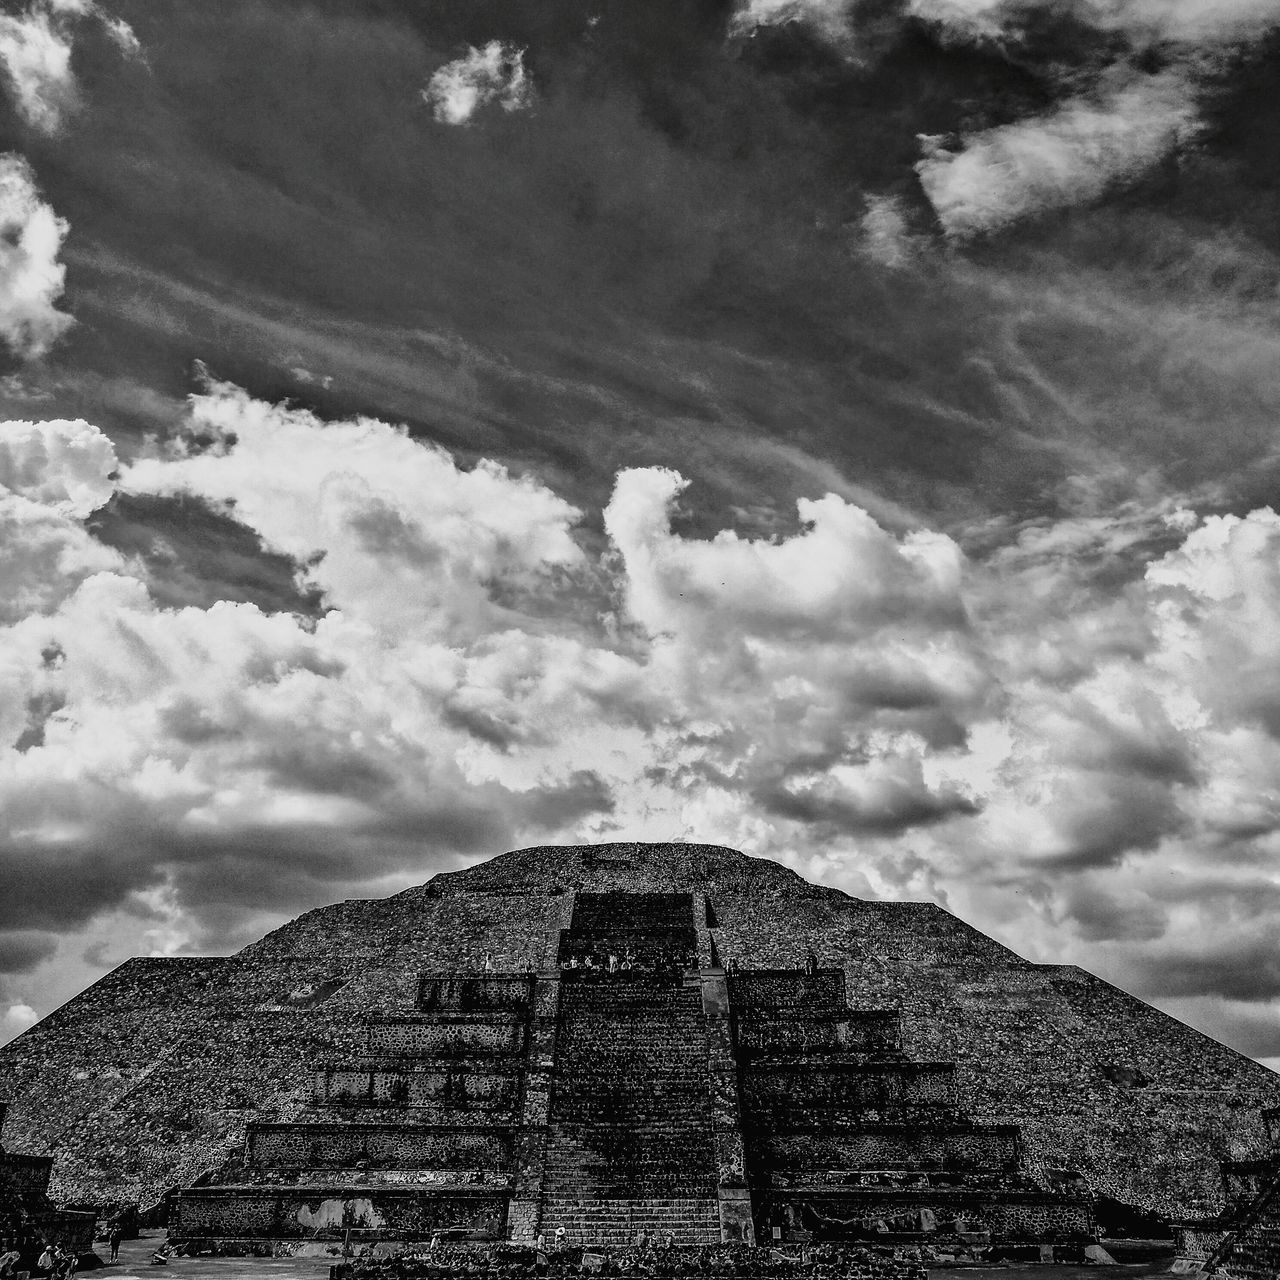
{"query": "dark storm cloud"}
{"type": "Point", "coordinates": [195, 555]}
{"type": "Point", "coordinates": [1246, 970]}
{"type": "Point", "coordinates": [1100, 917]}
{"type": "Point", "coordinates": [22, 950]}
{"type": "Point", "coordinates": [219, 876]}
{"type": "Point", "coordinates": [897, 803]}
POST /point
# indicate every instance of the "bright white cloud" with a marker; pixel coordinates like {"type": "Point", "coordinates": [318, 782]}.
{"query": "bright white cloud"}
{"type": "Point", "coordinates": [35, 52]}
{"type": "Point", "coordinates": [1072, 156]}
{"type": "Point", "coordinates": [871, 706]}
{"type": "Point", "coordinates": [828, 17]}
{"type": "Point", "coordinates": [63, 465]}
{"type": "Point", "coordinates": [31, 277]}
{"type": "Point", "coordinates": [17, 1018]}
{"type": "Point", "coordinates": [494, 74]}
{"type": "Point", "coordinates": [123, 35]}
{"type": "Point", "coordinates": [1113, 128]}
{"type": "Point", "coordinates": [1197, 22]}
{"type": "Point", "coordinates": [35, 57]}
{"type": "Point", "coordinates": [389, 528]}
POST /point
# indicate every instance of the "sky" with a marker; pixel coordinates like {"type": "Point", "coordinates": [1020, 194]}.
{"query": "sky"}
{"type": "Point", "coordinates": [844, 430]}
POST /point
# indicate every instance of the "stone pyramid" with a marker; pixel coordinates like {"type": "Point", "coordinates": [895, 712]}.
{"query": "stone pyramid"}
{"type": "Point", "coordinates": [609, 1038]}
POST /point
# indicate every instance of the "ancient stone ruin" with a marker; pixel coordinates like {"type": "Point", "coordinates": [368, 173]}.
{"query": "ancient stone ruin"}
{"type": "Point", "coordinates": [668, 1039]}
{"type": "Point", "coordinates": [28, 1218]}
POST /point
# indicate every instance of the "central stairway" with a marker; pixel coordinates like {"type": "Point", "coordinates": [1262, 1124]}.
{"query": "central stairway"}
{"type": "Point", "coordinates": [629, 1135]}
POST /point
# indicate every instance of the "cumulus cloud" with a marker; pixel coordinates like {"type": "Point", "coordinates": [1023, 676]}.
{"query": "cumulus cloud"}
{"type": "Point", "coordinates": [31, 277]}
{"type": "Point", "coordinates": [1072, 156]}
{"type": "Point", "coordinates": [385, 525]}
{"type": "Point", "coordinates": [66, 466]}
{"type": "Point", "coordinates": [492, 74]}
{"type": "Point", "coordinates": [17, 1018]}
{"type": "Point", "coordinates": [445, 699]}
{"type": "Point", "coordinates": [872, 705]}
{"type": "Point", "coordinates": [35, 54]}
{"type": "Point", "coordinates": [841, 576]}
{"type": "Point", "coordinates": [52, 475]}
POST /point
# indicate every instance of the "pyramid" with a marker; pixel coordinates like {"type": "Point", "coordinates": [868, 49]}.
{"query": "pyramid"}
{"type": "Point", "coordinates": [668, 1037]}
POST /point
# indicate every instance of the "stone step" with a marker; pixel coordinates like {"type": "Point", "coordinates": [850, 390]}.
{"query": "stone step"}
{"type": "Point", "coordinates": [594, 1220]}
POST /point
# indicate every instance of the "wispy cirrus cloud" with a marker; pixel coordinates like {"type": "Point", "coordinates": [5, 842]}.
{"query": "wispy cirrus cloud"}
{"type": "Point", "coordinates": [1072, 156]}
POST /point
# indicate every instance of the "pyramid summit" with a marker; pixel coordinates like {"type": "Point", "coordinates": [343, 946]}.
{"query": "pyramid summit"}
{"type": "Point", "coordinates": [675, 1035]}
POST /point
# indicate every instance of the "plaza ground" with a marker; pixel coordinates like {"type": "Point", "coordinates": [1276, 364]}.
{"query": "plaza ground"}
{"type": "Point", "coordinates": [135, 1264]}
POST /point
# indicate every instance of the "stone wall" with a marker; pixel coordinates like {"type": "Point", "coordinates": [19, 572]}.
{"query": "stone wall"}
{"type": "Point", "coordinates": [759, 989]}
{"type": "Point", "coordinates": [455, 993]}
{"type": "Point", "coordinates": [27, 1217]}
{"type": "Point", "coordinates": [325, 1213]}
{"type": "Point", "coordinates": [418, 1038]}
{"type": "Point", "coordinates": [344, 1146]}
{"type": "Point", "coordinates": [827, 1096]}
{"type": "Point", "coordinates": [891, 1148]}
{"type": "Point", "coordinates": [26, 1175]}
{"type": "Point", "coordinates": [1006, 1216]}
{"type": "Point", "coordinates": [428, 1093]}
{"type": "Point", "coordinates": [868, 1031]}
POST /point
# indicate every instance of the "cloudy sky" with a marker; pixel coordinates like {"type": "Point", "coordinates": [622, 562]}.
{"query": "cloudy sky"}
{"type": "Point", "coordinates": [841, 429]}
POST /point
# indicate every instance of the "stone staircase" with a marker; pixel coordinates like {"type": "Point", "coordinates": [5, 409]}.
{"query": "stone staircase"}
{"type": "Point", "coordinates": [629, 1135]}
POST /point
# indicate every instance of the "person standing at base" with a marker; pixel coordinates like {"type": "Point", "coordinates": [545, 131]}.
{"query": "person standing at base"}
{"type": "Point", "coordinates": [114, 1236]}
